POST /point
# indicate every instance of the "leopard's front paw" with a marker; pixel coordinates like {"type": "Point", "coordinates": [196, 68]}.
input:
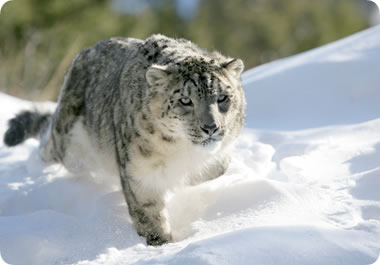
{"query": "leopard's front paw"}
{"type": "Point", "coordinates": [158, 240]}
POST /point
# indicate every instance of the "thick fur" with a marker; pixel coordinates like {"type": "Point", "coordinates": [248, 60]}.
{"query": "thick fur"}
{"type": "Point", "coordinates": [160, 112]}
{"type": "Point", "coordinates": [25, 125]}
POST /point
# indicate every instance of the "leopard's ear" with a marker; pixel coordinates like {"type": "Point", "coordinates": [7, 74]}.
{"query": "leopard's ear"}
{"type": "Point", "coordinates": [235, 67]}
{"type": "Point", "coordinates": [157, 75]}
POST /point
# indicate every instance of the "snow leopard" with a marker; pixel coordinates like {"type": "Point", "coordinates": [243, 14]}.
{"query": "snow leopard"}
{"type": "Point", "coordinates": [161, 113]}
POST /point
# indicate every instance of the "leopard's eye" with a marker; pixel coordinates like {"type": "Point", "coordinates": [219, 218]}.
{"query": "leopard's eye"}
{"type": "Point", "coordinates": [186, 101]}
{"type": "Point", "coordinates": [222, 98]}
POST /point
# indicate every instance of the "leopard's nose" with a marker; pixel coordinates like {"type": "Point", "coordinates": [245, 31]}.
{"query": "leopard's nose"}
{"type": "Point", "coordinates": [210, 129]}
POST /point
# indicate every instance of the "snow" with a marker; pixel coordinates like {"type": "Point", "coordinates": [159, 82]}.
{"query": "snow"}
{"type": "Point", "coordinates": [303, 186]}
{"type": "Point", "coordinates": [331, 85]}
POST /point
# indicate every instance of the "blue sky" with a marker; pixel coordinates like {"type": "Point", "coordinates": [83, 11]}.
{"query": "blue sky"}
{"type": "Point", "coordinates": [185, 8]}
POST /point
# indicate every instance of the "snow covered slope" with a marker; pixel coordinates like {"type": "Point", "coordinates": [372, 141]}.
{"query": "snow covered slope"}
{"type": "Point", "coordinates": [301, 197]}
{"type": "Point", "coordinates": [335, 84]}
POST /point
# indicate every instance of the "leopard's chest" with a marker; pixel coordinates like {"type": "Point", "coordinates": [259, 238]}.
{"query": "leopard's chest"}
{"type": "Point", "coordinates": [167, 167]}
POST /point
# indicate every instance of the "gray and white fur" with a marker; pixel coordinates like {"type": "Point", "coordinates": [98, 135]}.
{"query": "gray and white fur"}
{"type": "Point", "coordinates": [161, 112]}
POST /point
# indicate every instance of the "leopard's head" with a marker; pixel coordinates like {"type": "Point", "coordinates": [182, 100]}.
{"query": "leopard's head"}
{"type": "Point", "coordinates": [198, 99]}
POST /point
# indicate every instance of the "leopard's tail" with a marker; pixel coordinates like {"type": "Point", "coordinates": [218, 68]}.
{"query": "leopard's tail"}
{"type": "Point", "coordinates": [25, 125]}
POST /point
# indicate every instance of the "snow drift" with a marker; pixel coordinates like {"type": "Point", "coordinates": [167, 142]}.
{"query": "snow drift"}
{"type": "Point", "coordinates": [335, 84]}
{"type": "Point", "coordinates": [309, 196]}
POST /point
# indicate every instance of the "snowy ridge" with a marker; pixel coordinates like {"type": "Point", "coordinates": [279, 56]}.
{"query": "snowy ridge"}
{"type": "Point", "coordinates": [335, 84]}
{"type": "Point", "coordinates": [301, 197]}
